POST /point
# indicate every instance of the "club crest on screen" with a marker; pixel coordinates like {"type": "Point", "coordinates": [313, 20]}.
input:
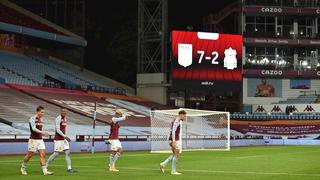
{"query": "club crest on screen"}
{"type": "Point", "coordinates": [230, 60]}
{"type": "Point", "coordinates": [185, 54]}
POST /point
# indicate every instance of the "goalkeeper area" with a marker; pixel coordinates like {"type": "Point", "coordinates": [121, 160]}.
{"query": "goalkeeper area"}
{"type": "Point", "coordinates": [265, 162]}
{"type": "Point", "coordinates": [201, 130]}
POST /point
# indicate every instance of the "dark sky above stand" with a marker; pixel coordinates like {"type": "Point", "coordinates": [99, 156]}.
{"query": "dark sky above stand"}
{"type": "Point", "coordinates": [111, 32]}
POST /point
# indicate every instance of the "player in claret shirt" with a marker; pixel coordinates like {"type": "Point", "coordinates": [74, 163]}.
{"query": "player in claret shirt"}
{"type": "Point", "coordinates": [61, 140]}
{"type": "Point", "coordinates": [175, 143]}
{"type": "Point", "coordinates": [116, 147]}
{"type": "Point", "coordinates": [36, 142]}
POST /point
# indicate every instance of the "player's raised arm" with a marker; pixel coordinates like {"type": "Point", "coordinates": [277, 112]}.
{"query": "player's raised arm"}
{"type": "Point", "coordinates": [118, 119]}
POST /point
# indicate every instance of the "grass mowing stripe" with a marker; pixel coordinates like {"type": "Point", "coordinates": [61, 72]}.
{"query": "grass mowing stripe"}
{"type": "Point", "coordinates": [34, 158]}
{"type": "Point", "coordinates": [143, 155]}
{"type": "Point", "coordinates": [283, 163]}
{"type": "Point", "coordinates": [274, 154]}
{"type": "Point", "coordinates": [190, 170]}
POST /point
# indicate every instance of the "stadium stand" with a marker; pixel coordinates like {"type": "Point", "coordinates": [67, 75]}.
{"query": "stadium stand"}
{"type": "Point", "coordinates": [11, 76]}
{"type": "Point", "coordinates": [14, 64]}
{"type": "Point", "coordinates": [72, 75]}
{"type": "Point", "coordinates": [76, 101]}
{"type": "Point", "coordinates": [9, 130]}
{"type": "Point", "coordinates": [115, 96]}
{"type": "Point", "coordinates": [15, 67]}
{"type": "Point", "coordinates": [74, 130]}
{"type": "Point", "coordinates": [300, 100]}
{"type": "Point", "coordinates": [17, 105]}
{"type": "Point", "coordinates": [275, 116]}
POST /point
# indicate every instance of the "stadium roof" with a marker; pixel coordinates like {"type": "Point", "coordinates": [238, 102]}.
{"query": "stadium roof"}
{"type": "Point", "coordinates": [36, 26]}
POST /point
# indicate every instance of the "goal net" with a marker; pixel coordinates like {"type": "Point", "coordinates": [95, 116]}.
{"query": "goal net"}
{"type": "Point", "coordinates": [202, 130]}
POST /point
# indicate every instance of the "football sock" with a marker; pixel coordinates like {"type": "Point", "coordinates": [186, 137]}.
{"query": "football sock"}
{"type": "Point", "coordinates": [44, 169]}
{"type": "Point", "coordinates": [111, 160]}
{"type": "Point", "coordinates": [116, 156]}
{"type": "Point", "coordinates": [24, 165]}
{"type": "Point", "coordinates": [174, 164]}
{"type": "Point", "coordinates": [51, 158]}
{"type": "Point", "coordinates": [68, 159]}
{"type": "Point", "coordinates": [165, 162]}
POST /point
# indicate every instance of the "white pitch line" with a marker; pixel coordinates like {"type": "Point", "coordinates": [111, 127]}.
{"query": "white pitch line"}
{"type": "Point", "coordinates": [232, 172]}
{"type": "Point", "coordinates": [195, 171]}
{"type": "Point", "coordinates": [265, 155]}
{"type": "Point", "coordinates": [99, 157]}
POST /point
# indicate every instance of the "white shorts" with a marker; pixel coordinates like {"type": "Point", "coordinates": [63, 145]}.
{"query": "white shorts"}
{"type": "Point", "coordinates": [36, 144]}
{"type": "Point", "coordinates": [115, 144]}
{"type": "Point", "coordinates": [178, 144]}
{"type": "Point", "coordinates": [61, 145]}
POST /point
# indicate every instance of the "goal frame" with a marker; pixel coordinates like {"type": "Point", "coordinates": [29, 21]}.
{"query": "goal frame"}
{"type": "Point", "coordinates": [181, 130]}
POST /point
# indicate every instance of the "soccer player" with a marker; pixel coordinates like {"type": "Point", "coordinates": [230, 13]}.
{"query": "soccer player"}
{"type": "Point", "coordinates": [116, 147]}
{"type": "Point", "coordinates": [264, 89]}
{"type": "Point", "coordinates": [61, 140]}
{"type": "Point", "coordinates": [36, 142]}
{"type": "Point", "coordinates": [175, 143]}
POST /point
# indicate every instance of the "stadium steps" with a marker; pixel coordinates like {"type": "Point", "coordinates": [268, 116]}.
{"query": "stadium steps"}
{"type": "Point", "coordinates": [73, 72]}
{"type": "Point", "coordinates": [34, 70]}
{"type": "Point", "coordinates": [299, 100]}
{"type": "Point", "coordinates": [83, 104]}
{"type": "Point", "coordinates": [18, 107]}
{"type": "Point", "coordinates": [10, 76]}
{"type": "Point", "coordinates": [37, 60]}
{"type": "Point", "coordinates": [53, 97]}
{"type": "Point", "coordinates": [8, 130]}
{"type": "Point", "coordinates": [19, 102]}
{"type": "Point", "coordinates": [76, 75]}
{"type": "Point", "coordinates": [51, 102]}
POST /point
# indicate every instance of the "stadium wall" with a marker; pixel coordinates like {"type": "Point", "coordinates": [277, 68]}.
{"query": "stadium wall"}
{"type": "Point", "coordinates": [12, 148]}
{"type": "Point", "coordinates": [152, 86]}
{"type": "Point", "coordinates": [7, 148]}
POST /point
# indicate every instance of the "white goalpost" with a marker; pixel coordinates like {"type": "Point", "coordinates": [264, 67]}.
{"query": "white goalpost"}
{"type": "Point", "coordinates": [202, 130]}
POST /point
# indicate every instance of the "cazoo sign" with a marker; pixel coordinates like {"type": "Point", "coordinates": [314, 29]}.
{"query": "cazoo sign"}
{"type": "Point", "coordinates": [271, 72]}
{"type": "Point", "coordinates": [271, 10]}
{"type": "Point", "coordinates": [281, 73]}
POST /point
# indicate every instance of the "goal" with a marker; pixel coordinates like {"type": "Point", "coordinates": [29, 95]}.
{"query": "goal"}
{"type": "Point", "coordinates": [202, 130]}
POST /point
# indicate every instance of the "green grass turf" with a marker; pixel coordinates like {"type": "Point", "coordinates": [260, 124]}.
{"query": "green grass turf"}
{"type": "Point", "coordinates": [277, 162]}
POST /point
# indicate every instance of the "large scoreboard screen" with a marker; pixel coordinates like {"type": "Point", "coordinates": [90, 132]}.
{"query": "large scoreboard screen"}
{"type": "Point", "coordinates": [207, 61]}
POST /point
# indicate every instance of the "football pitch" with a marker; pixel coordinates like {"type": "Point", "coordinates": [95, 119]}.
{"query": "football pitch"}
{"type": "Point", "coordinates": [268, 162]}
